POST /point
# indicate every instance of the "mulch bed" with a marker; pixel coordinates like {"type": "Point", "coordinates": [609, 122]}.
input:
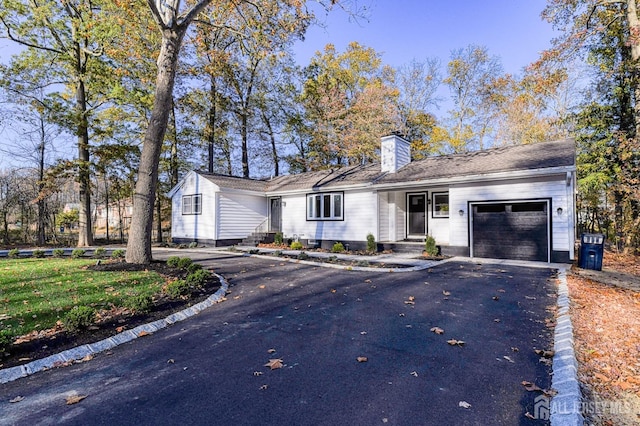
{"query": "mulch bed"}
{"type": "Point", "coordinates": [605, 313]}
{"type": "Point", "coordinates": [41, 344]}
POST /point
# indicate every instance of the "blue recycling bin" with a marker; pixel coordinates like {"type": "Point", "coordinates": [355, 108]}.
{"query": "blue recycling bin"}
{"type": "Point", "coordinates": [591, 251]}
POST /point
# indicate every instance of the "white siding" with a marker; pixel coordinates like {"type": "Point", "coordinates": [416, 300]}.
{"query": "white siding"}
{"type": "Point", "coordinates": [541, 188]}
{"type": "Point", "coordinates": [239, 214]}
{"type": "Point", "coordinates": [197, 226]}
{"type": "Point", "coordinates": [438, 227]}
{"type": "Point", "coordinates": [383, 216]}
{"type": "Point", "coordinates": [360, 218]}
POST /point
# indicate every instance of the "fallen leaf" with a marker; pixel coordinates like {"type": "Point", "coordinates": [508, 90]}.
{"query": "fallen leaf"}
{"type": "Point", "coordinates": [333, 290]}
{"type": "Point", "coordinates": [264, 387]}
{"type": "Point", "coordinates": [501, 290]}
{"type": "Point", "coordinates": [120, 329]}
{"type": "Point", "coordinates": [16, 399]}
{"type": "Point", "coordinates": [508, 359]}
{"type": "Point", "coordinates": [367, 281]}
{"type": "Point", "coordinates": [464, 404]}
{"type": "Point", "coordinates": [262, 286]}
{"type": "Point", "coordinates": [363, 332]}
{"type": "Point", "coordinates": [271, 351]}
{"type": "Point", "coordinates": [454, 342]}
{"type": "Point", "coordinates": [530, 298]}
{"type": "Point", "coordinates": [496, 320]}
{"type": "Point", "coordinates": [171, 361]}
{"type": "Point", "coordinates": [362, 359]}
{"type": "Point", "coordinates": [529, 416]}
{"type": "Point", "coordinates": [446, 293]}
{"type": "Point", "coordinates": [414, 373]}
{"type": "Point", "coordinates": [86, 358]}
{"type": "Point", "coordinates": [514, 349]}
{"type": "Point", "coordinates": [496, 298]}
{"type": "Point", "coordinates": [257, 373]}
{"type": "Point", "coordinates": [531, 387]}
{"type": "Point", "coordinates": [437, 330]}
{"type": "Point", "coordinates": [274, 363]}
{"type": "Point", "coordinates": [74, 399]}
{"type": "Point", "coordinates": [143, 333]}
{"type": "Point", "coordinates": [545, 354]}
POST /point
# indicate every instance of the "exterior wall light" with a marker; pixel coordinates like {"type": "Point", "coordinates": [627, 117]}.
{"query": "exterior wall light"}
{"type": "Point", "coordinates": [461, 212]}
{"type": "Point", "coordinates": [559, 211]}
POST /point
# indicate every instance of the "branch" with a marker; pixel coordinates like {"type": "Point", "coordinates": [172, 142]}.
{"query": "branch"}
{"type": "Point", "coordinates": [11, 37]}
{"type": "Point", "coordinates": [156, 14]}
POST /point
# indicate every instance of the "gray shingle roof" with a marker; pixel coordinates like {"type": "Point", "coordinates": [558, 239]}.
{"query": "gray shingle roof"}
{"type": "Point", "coordinates": [495, 160]}
{"type": "Point", "coordinates": [233, 182]}
{"type": "Point", "coordinates": [503, 159]}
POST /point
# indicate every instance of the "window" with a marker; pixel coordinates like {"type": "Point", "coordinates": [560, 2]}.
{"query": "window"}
{"type": "Point", "coordinates": [441, 205]}
{"type": "Point", "coordinates": [325, 206]}
{"type": "Point", "coordinates": [192, 204]}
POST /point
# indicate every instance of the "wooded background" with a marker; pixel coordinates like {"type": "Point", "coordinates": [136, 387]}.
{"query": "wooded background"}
{"type": "Point", "coordinates": [149, 90]}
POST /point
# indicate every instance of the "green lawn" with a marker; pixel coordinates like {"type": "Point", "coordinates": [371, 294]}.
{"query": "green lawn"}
{"type": "Point", "coordinates": [35, 293]}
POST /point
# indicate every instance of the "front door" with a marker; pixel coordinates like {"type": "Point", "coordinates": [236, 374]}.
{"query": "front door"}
{"type": "Point", "coordinates": [417, 215]}
{"type": "Point", "coordinates": [275, 214]}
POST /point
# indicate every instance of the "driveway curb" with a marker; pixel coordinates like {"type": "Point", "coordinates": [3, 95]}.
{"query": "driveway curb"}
{"type": "Point", "coordinates": [80, 352]}
{"type": "Point", "coordinates": [566, 406]}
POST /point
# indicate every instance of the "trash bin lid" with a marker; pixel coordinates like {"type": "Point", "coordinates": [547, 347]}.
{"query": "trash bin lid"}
{"type": "Point", "coordinates": [592, 238]}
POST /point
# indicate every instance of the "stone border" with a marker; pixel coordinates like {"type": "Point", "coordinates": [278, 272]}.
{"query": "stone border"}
{"type": "Point", "coordinates": [566, 406]}
{"type": "Point", "coordinates": [77, 353]}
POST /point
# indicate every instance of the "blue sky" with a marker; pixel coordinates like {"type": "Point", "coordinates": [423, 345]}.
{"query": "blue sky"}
{"type": "Point", "coordinates": [406, 29]}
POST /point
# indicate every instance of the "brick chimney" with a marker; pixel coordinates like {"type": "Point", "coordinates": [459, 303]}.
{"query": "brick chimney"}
{"type": "Point", "coordinates": [395, 153]}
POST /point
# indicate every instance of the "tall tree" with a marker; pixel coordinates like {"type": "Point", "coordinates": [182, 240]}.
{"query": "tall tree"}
{"type": "Point", "coordinates": [607, 34]}
{"type": "Point", "coordinates": [350, 101]}
{"type": "Point", "coordinates": [470, 76]}
{"type": "Point", "coordinates": [173, 19]}
{"type": "Point", "coordinates": [67, 37]}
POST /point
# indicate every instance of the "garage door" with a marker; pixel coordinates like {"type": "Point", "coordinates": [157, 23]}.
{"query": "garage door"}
{"type": "Point", "coordinates": [516, 230]}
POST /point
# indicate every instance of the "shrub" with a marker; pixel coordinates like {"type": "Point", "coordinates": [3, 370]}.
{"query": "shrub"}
{"type": "Point", "coordinates": [277, 239]}
{"type": "Point", "coordinates": [277, 253]}
{"type": "Point", "coordinates": [194, 267]}
{"type": "Point", "coordinates": [193, 244]}
{"type": "Point", "coordinates": [296, 245]}
{"type": "Point", "coordinates": [337, 248]}
{"type": "Point", "coordinates": [254, 251]}
{"type": "Point", "coordinates": [198, 278]}
{"type": "Point", "coordinates": [363, 263]}
{"type": "Point", "coordinates": [58, 252]}
{"type": "Point", "coordinates": [430, 247]}
{"type": "Point", "coordinates": [177, 288]}
{"type": "Point", "coordinates": [13, 253]}
{"type": "Point", "coordinates": [117, 253]}
{"type": "Point", "coordinates": [184, 262]}
{"type": "Point", "coordinates": [173, 261]}
{"type": "Point", "coordinates": [332, 258]}
{"type": "Point", "coordinates": [303, 256]}
{"type": "Point", "coordinates": [371, 243]}
{"type": "Point", "coordinates": [100, 252]}
{"type": "Point", "coordinates": [6, 339]}
{"type": "Point", "coordinates": [78, 253]}
{"type": "Point", "coordinates": [38, 253]}
{"type": "Point", "coordinates": [140, 303]}
{"type": "Point", "coordinates": [78, 318]}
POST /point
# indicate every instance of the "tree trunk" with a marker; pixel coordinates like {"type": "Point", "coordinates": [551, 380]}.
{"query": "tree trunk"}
{"type": "Point", "coordinates": [85, 236]}
{"type": "Point", "coordinates": [173, 160]}
{"type": "Point", "coordinates": [41, 237]}
{"type": "Point", "coordinates": [211, 124]}
{"type": "Point", "coordinates": [245, 144]}
{"type": "Point", "coordinates": [634, 27]}
{"type": "Point", "coordinates": [158, 218]}
{"type": "Point", "coordinates": [272, 139]}
{"type": "Point", "coordinates": [139, 244]}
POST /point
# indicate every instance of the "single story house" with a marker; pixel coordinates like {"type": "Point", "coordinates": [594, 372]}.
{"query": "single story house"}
{"type": "Point", "coordinates": [511, 202]}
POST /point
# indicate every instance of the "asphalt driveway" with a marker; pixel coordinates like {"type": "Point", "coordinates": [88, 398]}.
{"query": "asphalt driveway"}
{"type": "Point", "coordinates": [210, 369]}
